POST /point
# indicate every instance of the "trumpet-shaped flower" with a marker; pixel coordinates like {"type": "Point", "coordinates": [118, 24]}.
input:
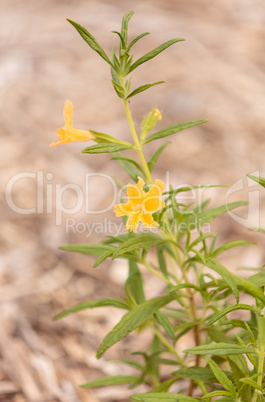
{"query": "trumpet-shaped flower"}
{"type": "Point", "coordinates": [141, 205]}
{"type": "Point", "coordinates": [68, 133]}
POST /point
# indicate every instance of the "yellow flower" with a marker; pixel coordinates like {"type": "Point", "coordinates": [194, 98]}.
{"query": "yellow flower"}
{"type": "Point", "coordinates": [157, 114]}
{"type": "Point", "coordinates": [68, 133]}
{"type": "Point", "coordinates": [141, 205]}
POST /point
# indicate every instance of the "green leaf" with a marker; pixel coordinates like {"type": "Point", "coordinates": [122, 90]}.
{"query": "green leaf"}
{"type": "Point", "coordinates": [227, 310]}
{"type": "Point", "coordinates": [110, 380]}
{"type": "Point", "coordinates": [185, 327]}
{"type": "Point", "coordinates": [114, 74]}
{"type": "Point", "coordinates": [195, 373]}
{"type": "Point", "coordinates": [105, 138]}
{"type": "Point", "coordinates": [156, 155]}
{"type": "Point", "coordinates": [161, 396]}
{"type": "Point", "coordinates": [161, 261]}
{"type": "Point", "coordinates": [135, 40]}
{"type": "Point", "coordinates": [173, 129]}
{"type": "Point", "coordinates": [124, 25]}
{"type": "Point", "coordinates": [182, 286]}
{"type": "Point", "coordinates": [219, 393]}
{"type": "Point", "coordinates": [132, 320]}
{"type": "Point", "coordinates": [120, 91]}
{"type": "Point", "coordinates": [90, 249]}
{"type": "Point", "coordinates": [129, 167]}
{"type": "Point", "coordinates": [143, 88]}
{"type": "Point", "coordinates": [165, 385]}
{"type": "Point", "coordinates": [259, 180]}
{"type": "Point", "coordinates": [162, 319]}
{"type": "Point", "coordinates": [129, 160]}
{"type": "Point", "coordinates": [224, 273]}
{"type": "Point", "coordinates": [245, 284]}
{"type": "Point", "coordinates": [130, 363]}
{"type": "Point", "coordinates": [217, 335]}
{"type": "Point", "coordinates": [105, 147]}
{"type": "Point", "coordinates": [134, 283]}
{"type": "Point", "coordinates": [103, 257]}
{"type": "Point", "coordinates": [225, 399]}
{"type": "Point", "coordinates": [116, 70]}
{"type": "Point", "coordinates": [210, 214]}
{"type": "Point", "coordinates": [219, 349]}
{"type": "Point", "coordinates": [258, 279]}
{"type": "Point", "coordinates": [92, 304]}
{"type": "Point", "coordinates": [145, 241]}
{"type": "Point", "coordinates": [153, 53]}
{"type": "Point", "coordinates": [91, 41]}
{"type": "Point", "coordinates": [229, 245]}
{"type": "Point", "coordinates": [189, 188]}
{"type": "Point", "coordinates": [250, 288]}
{"type": "Point", "coordinates": [221, 377]}
{"type": "Point", "coordinates": [250, 382]}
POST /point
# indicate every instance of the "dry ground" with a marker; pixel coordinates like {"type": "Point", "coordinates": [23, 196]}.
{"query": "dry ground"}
{"type": "Point", "coordinates": [218, 74]}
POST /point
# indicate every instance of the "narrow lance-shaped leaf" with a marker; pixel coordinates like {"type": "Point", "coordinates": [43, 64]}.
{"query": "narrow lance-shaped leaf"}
{"type": "Point", "coordinates": [102, 137]}
{"type": "Point", "coordinates": [143, 88]}
{"type": "Point", "coordinates": [132, 320]}
{"type": "Point", "coordinates": [219, 349]}
{"type": "Point", "coordinates": [91, 41]}
{"type": "Point", "coordinates": [110, 380]}
{"type": "Point", "coordinates": [173, 129]}
{"type": "Point", "coordinates": [130, 167]}
{"type": "Point", "coordinates": [161, 396]}
{"type": "Point", "coordinates": [182, 286]}
{"type": "Point", "coordinates": [103, 257]}
{"type": "Point", "coordinates": [135, 40]}
{"type": "Point", "coordinates": [210, 214]}
{"type": "Point", "coordinates": [229, 245]}
{"type": "Point", "coordinates": [105, 147]}
{"type": "Point", "coordinates": [156, 155]}
{"type": "Point", "coordinates": [124, 25]}
{"type": "Point", "coordinates": [224, 273]}
{"type": "Point", "coordinates": [228, 396]}
{"type": "Point", "coordinates": [251, 382]}
{"type": "Point", "coordinates": [258, 179]}
{"type": "Point", "coordinates": [229, 309]}
{"type": "Point", "coordinates": [154, 52]}
{"type": "Point", "coordinates": [92, 304]}
{"type": "Point", "coordinates": [243, 283]}
{"type": "Point", "coordinates": [134, 283]}
{"type": "Point", "coordinates": [145, 240]}
{"type": "Point", "coordinates": [162, 319]}
{"type": "Point", "coordinates": [90, 249]}
{"type": "Point", "coordinates": [162, 261]}
{"type": "Point", "coordinates": [221, 376]}
{"type": "Point", "coordinates": [195, 373]}
{"type": "Point", "coordinates": [119, 89]}
{"type": "Point", "coordinates": [129, 160]}
{"type": "Point", "coordinates": [123, 44]}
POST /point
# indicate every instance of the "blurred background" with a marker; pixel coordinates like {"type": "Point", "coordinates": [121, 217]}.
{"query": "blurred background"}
{"type": "Point", "coordinates": [54, 196]}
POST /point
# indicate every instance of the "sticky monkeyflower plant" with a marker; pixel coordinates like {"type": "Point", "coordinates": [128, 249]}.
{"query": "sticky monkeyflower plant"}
{"type": "Point", "coordinates": [225, 360]}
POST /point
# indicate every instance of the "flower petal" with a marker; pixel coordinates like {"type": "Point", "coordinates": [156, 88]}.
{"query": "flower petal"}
{"type": "Point", "coordinates": [148, 221]}
{"type": "Point", "coordinates": [135, 193]}
{"type": "Point", "coordinates": [132, 222]}
{"type": "Point", "coordinates": [152, 200]}
{"type": "Point", "coordinates": [68, 111]}
{"type": "Point", "coordinates": [123, 209]}
{"type": "Point", "coordinates": [75, 135]}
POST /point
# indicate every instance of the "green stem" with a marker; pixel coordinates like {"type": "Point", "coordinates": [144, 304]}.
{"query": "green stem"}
{"type": "Point", "coordinates": [157, 274]}
{"type": "Point", "coordinates": [137, 144]}
{"type": "Point", "coordinates": [261, 352]}
{"type": "Point", "coordinates": [169, 347]}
